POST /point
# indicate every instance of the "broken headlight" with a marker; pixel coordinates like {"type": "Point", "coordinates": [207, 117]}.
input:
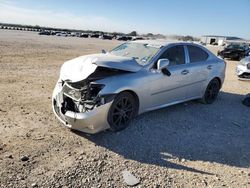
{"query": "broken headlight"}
{"type": "Point", "coordinates": [71, 92]}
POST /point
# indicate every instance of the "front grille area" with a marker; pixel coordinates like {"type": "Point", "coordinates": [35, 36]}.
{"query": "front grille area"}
{"type": "Point", "coordinates": [69, 105]}
{"type": "Point", "coordinates": [245, 75]}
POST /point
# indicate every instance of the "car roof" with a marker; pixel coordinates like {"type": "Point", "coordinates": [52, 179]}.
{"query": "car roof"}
{"type": "Point", "coordinates": [160, 43]}
{"type": "Point", "coordinates": [163, 43]}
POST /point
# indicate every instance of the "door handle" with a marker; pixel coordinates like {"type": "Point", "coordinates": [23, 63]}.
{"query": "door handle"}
{"type": "Point", "coordinates": [184, 72]}
{"type": "Point", "coordinates": [209, 67]}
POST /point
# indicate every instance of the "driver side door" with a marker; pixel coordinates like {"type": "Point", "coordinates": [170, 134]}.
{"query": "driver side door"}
{"type": "Point", "coordinates": [170, 89]}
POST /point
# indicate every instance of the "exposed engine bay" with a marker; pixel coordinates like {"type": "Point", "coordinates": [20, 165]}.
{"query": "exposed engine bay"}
{"type": "Point", "coordinates": [84, 95]}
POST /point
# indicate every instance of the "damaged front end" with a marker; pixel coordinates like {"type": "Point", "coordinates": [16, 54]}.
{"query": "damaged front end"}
{"type": "Point", "coordinates": [78, 98]}
{"type": "Point", "coordinates": [80, 106]}
{"type": "Point", "coordinates": [81, 99]}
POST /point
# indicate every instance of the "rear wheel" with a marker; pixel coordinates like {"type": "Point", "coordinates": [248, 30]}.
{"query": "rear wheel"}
{"type": "Point", "coordinates": [122, 111]}
{"type": "Point", "coordinates": [211, 92]}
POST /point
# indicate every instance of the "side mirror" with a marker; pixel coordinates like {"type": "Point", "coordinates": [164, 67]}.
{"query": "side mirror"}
{"type": "Point", "coordinates": [162, 64]}
{"type": "Point", "coordinates": [104, 51]}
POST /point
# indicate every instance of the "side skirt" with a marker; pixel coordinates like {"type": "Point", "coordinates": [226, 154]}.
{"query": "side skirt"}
{"type": "Point", "coordinates": [169, 104]}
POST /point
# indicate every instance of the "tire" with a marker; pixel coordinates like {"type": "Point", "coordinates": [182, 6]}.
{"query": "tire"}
{"type": "Point", "coordinates": [211, 92]}
{"type": "Point", "coordinates": [122, 111]}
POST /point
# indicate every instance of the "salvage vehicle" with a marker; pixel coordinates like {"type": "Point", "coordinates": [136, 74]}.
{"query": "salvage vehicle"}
{"type": "Point", "coordinates": [235, 51]}
{"type": "Point", "coordinates": [243, 68]}
{"type": "Point", "coordinates": [107, 90]}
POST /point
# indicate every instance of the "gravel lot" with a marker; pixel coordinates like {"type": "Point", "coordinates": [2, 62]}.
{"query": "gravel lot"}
{"type": "Point", "coordinates": [186, 145]}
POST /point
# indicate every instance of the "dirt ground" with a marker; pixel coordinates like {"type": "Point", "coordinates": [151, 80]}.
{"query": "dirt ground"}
{"type": "Point", "coordinates": [186, 145]}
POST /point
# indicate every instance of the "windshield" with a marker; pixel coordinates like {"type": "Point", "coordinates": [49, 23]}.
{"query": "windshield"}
{"type": "Point", "coordinates": [235, 46]}
{"type": "Point", "coordinates": [142, 53]}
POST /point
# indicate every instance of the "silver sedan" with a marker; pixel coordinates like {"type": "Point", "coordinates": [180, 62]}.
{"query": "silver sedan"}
{"type": "Point", "coordinates": [107, 90]}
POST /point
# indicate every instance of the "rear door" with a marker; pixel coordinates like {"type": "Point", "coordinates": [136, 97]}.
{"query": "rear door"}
{"type": "Point", "coordinates": [199, 68]}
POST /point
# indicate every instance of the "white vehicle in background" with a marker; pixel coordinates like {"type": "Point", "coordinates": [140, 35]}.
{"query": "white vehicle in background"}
{"type": "Point", "coordinates": [73, 34]}
{"type": "Point", "coordinates": [243, 68]}
{"type": "Point", "coordinates": [62, 34]}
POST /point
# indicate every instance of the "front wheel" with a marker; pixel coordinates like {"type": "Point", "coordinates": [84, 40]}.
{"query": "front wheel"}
{"type": "Point", "coordinates": [122, 111]}
{"type": "Point", "coordinates": [211, 92]}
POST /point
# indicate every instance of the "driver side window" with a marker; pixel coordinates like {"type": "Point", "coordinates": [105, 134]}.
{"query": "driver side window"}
{"type": "Point", "coordinates": [175, 55]}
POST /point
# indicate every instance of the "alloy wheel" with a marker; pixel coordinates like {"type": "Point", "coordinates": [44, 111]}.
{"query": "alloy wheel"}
{"type": "Point", "coordinates": [212, 91]}
{"type": "Point", "coordinates": [122, 111]}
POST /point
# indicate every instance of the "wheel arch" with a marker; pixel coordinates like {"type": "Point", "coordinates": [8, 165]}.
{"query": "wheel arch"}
{"type": "Point", "coordinates": [218, 80]}
{"type": "Point", "coordinates": [136, 98]}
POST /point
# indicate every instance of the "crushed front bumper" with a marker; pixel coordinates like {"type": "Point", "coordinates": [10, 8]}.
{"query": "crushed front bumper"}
{"type": "Point", "coordinates": [90, 122]}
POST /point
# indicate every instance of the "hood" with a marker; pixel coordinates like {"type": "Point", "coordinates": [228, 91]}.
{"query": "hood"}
{"type": "Point", "coordinates": [80, 68]}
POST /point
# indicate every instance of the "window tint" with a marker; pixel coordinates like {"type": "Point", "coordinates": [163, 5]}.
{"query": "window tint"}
{"type": "Point", "coordinates": [175, 55]}
{"type": "Point", "coordinates": [196, 54]}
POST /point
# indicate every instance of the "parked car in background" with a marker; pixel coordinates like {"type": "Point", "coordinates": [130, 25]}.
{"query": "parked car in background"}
{"type": "Point", "coordinates": [124, 38]}
{"type": "Point", "coordinates": [235, 51]}
{"type": "Point", "coordinates": [243, 68]}
{"type": "Point", "coordinates": [54, 32]}
{"type": "Point", "coordinates": [78, 34]}
{"type": "Point", "coordinates": [106, 37]}
{"type": "Point", "coordinates": [106, 91]}
{"type": "Point", "coordinates": [62, 34]}
{"type": "Point", "coordinates": [95, 35]}
{"type": "Point", "coordinates": [44, 33]}
{"type": "Point", "coordinates": [137, 38]}
{"type": "Point", "coordinates": [84, 35]}
{"type": "Point", "coordinates": [129, 38]}
{"type": "Point", "coordinates": [73, 34]}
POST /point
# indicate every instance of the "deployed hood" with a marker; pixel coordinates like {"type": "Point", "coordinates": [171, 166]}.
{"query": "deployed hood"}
{"type": "Point", "coordinates": [80, 68]}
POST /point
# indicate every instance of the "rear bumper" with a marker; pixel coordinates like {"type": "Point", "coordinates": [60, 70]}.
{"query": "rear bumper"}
{"type": "Point", "coordinates": [90, 122]}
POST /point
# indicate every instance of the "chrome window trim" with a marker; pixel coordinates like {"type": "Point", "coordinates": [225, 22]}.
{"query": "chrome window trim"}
{"type": "Point", "coordinates": [162, 50]}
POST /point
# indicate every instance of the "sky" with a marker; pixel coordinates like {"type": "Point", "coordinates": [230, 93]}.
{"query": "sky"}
{"type": "Point", "coordinates": [168, 17]}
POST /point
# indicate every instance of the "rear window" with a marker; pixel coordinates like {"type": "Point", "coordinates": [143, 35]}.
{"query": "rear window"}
{"type": "Point", "coordinates": [196, 54]}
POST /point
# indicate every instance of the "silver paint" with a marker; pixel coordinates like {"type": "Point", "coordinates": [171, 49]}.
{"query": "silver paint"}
{"type": "Point", "coordinates": [153, 89]}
